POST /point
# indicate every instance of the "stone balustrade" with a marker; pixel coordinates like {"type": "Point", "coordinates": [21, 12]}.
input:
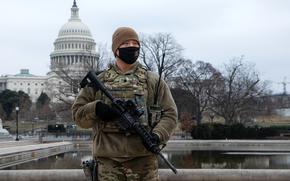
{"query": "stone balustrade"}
{"type": "Point", "coordinates": [165, 174]}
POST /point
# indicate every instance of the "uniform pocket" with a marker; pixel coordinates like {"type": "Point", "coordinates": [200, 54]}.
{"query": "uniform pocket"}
{"type": "Point", "coordinates": [154, 115]}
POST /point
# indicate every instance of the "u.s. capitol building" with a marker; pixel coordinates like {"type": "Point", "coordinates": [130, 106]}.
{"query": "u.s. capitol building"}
{"type": "Point", "coordinates": [74, 50]}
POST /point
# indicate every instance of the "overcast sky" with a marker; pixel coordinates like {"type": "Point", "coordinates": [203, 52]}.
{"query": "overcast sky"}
{"type": "Point", "coordinates": [210, 30]}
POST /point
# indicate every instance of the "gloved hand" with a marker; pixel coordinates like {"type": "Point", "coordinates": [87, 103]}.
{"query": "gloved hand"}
{"type": "Point", "coordinates": [106, 112]}
{"type": "Point", "coordinates": [156, 138]}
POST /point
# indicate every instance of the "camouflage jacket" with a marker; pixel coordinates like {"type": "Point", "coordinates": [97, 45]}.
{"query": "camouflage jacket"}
{"type": "Point", "coordinates": [116, 144]}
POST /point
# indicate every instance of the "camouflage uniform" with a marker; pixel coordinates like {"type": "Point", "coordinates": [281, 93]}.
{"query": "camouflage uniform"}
{"type": "Point", "coordinates": [140, 168]}
{"type": "Point", "coordinates": [123, 156]}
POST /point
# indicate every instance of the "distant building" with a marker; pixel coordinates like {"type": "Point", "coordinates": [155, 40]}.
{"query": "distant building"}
{"type": "Point", "coordinates": [24, 81]}
{"type": "Point", "coordinates": [74, 45]}
{"type": "Point", "coordinates": [73, 49]}
{"type": "Point", "coordinates": [3, 83]}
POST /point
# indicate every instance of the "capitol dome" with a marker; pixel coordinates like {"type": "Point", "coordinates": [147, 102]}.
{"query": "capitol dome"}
{"type": "Point", "coordinates": [74, 27]}
{"type": "Point", "coordinates": [74, 45]}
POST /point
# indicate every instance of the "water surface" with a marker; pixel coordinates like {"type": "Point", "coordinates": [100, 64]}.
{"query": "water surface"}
{"type": "Point", "coordinates": [181, 159]}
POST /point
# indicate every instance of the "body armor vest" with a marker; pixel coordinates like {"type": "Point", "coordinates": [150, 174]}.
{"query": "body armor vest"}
{"type": "Point", "coordinates": [131, 86]}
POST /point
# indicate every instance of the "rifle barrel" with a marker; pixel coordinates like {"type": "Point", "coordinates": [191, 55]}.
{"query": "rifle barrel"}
{"type": "Point", "coordinates": [167, 162]}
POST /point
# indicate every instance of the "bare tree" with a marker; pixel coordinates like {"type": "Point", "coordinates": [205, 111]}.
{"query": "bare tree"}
{"type": "Point", "coordinates": [62, 111]}
{"type": "Point", "coordinates": [186, 122]}
{"type": "Point", "coordinates": [43, 107]}
{"type": "Point", "coordinates": [68, 77]}
{"type": "Point", "coordinates": [65, 77]}
{"type": "Point", "coordinates": [24, 103]}
{"type": "Point", "coordinates": [183, 99]}
{"type": "Point", "coordinates": [198, 79]}
{"type": "Point", "coordinates": [160, 52]}
{"type": "Point", "coordinates": [236, 92]}
{"type": "Point", "coordinates": [69, 81]}
{"type": "Point", "coordinates": [105, 56]}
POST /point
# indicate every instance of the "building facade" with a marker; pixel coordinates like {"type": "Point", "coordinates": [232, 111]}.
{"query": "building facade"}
{"type": "Point", "coordinates": [74, 46]}
{"type": "Point", "coordinates": [24, 81]}
{"type": "Point", "coordinates": [73, 55]}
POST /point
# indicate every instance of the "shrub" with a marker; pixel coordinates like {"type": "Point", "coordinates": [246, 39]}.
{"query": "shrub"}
{"type": "Point", "coordinates": [235, 131]}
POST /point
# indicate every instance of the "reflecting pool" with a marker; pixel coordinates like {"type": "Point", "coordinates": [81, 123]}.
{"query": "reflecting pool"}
{"type": "Point", "coordinates": [180, 159]}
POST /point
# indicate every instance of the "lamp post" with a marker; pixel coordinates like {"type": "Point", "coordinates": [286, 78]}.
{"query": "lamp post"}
{"type": "Point", "coordinates": [17, 110]}
{"type": "Point", "coordinates": [211, 116]}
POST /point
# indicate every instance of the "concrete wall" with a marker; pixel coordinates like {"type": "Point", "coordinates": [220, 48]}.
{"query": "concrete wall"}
{"type": "Point", "coordinates": [165, 174]}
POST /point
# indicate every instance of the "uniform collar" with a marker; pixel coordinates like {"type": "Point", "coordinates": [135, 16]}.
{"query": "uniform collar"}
{"type": "Point", "coordinates": [132, 70]}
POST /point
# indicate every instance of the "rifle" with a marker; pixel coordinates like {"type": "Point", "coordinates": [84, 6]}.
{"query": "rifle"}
{"type": "Point", "coordinates": [128, 118]}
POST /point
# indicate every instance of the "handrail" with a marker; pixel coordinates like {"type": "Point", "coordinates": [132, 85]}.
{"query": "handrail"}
{"type": "Point", "coordinates": [165, 175]}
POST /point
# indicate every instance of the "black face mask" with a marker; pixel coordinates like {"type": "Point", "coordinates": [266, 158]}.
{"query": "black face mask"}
{"type": "Point", "coordinates": [129, 54]}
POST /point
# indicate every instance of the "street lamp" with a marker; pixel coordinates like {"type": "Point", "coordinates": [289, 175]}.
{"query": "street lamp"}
{"type": "Point", "coordinates": [211, 116]}
{"type": "Point", "coordinates": [17, 110]}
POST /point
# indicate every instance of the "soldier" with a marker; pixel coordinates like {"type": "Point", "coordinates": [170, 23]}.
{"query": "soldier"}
{"type": "Point", "coordinates": [122, 156]}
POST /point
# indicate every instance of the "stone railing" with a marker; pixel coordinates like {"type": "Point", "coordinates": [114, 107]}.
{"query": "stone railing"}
{"type": "Point", "coordinates": [165, 174]}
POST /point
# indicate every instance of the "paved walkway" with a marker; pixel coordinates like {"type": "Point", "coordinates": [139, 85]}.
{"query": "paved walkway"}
{"type": "Point", "coordinates": [30, 147]}
{"type": "Point", "coordinates": [5, 144]}
{"type": "Point", "coordinates": [17, 154]}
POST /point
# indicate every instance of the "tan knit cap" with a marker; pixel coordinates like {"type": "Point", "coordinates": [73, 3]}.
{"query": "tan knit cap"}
{"type": "Point", "coordinates": [121, 35]}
